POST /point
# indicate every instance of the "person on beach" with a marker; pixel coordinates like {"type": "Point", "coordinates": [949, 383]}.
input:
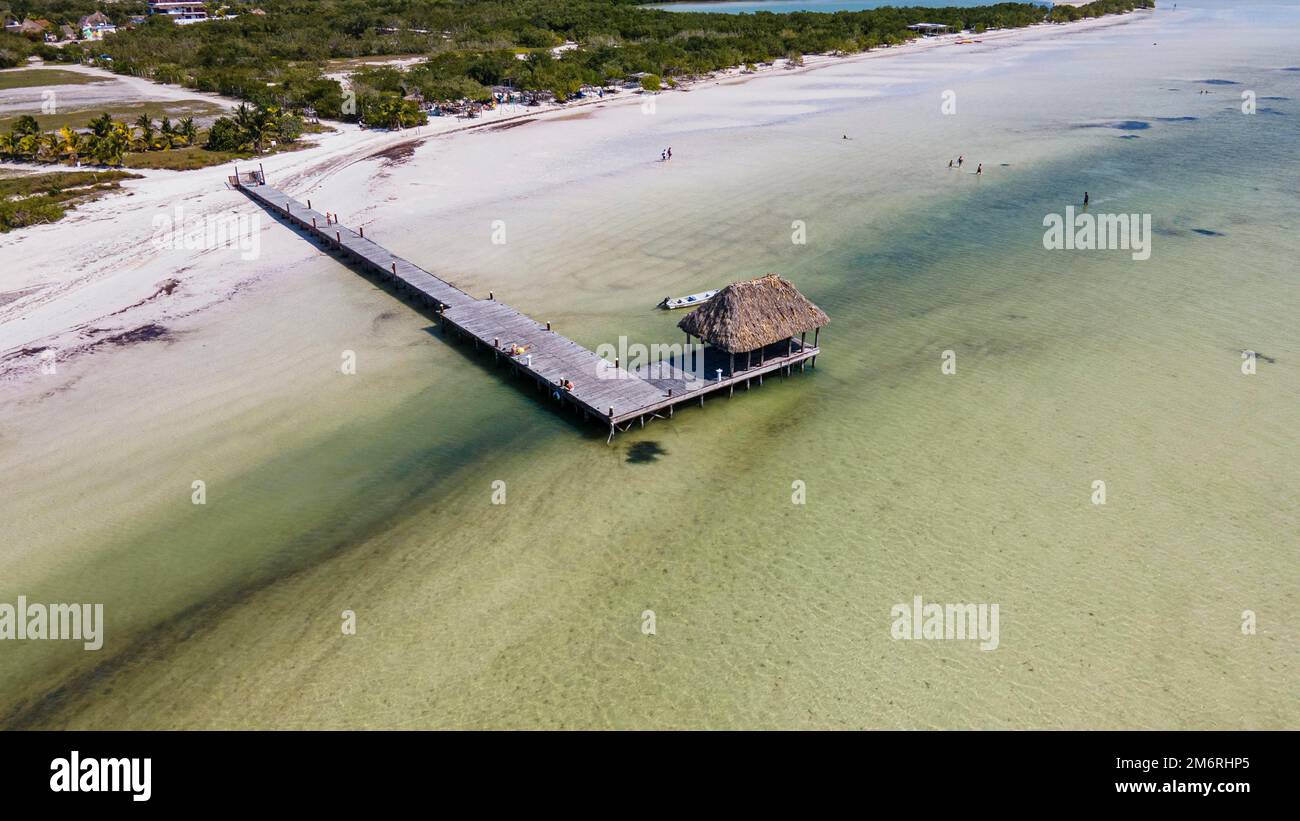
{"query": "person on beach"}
{"type": "Point", "coordinates": [960, 160]}
{"type": "Point", "coordinates": [670, 152]}
{"type": "Point", "coordinates": [950, 163]}
{"type": "Point", "coordinates": [1085, 199]}
{"type": "Point", "coordinates": [980, 170]}
{"type": "Point", "coordinates": [663, 156]}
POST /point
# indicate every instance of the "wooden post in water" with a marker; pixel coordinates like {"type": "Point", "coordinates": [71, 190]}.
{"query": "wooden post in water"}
{"type": "Point", "coordinates": [313, 223]}
{"type": "Point", "coordinates": [548, 326]}
{"type": "Point", "coordinates": [363, 231]}
{"type": "Point", "coordinates": [394, 265]}
{"type": "Point", "coordinates": [491, 296]}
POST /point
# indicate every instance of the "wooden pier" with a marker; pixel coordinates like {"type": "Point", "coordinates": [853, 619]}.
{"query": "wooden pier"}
{"type": "Point", "coordinates": [604, 392]}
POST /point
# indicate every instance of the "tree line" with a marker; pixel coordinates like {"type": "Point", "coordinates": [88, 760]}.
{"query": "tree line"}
{"type": "Point", "coordinates": [280, 59]}
{"type": "Point", "coordinates": [107, 141]}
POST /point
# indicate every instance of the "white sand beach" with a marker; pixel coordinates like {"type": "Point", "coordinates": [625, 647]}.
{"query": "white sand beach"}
{"type": "Point", "coordinates": [97, 272]}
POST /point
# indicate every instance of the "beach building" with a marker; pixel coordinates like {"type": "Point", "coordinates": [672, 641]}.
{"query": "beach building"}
{"type": "Point", "coordinates": [178, 11]}
{"type": "Point", "coordinates": [930, 29]}
{"type": "Point", "coordinates": [35, 28]}
{"type": "Point", "coordinates": [759, 318]}
{"type": "Point", "coordinates": [95, 26]}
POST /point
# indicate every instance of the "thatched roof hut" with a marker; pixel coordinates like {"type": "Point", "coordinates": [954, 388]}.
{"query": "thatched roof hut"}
{"type": "Point", "coordinates": [746, 316]}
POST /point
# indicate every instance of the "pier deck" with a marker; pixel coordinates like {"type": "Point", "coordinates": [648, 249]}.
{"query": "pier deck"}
{"type": "Point", "coordinates": [613, 396]}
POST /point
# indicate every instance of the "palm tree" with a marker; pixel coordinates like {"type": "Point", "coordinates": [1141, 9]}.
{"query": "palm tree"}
{"type": "Point", "coordinates": [26, 126]}
{"type": "Point", "coordinates": [70, 144]}
{"type": "Point", "coordinates": [188, 130]}
{"type": "Point", "coordinates": [265, 127]}
{"type": "Point", "coordinates": [48, 146]}
{"type": "Point", "coordinates": [167, 135]}
{"type": "Point", "coordinates": [247, 120]}
{"type": "Point", "coordinates": [112, 147]}
{"type": "Point", "coordinates": [101, 125]}
{"type": "Point", "coordinates": [146, 132]}
{"type": "Point", "coordinates": [27, 146]}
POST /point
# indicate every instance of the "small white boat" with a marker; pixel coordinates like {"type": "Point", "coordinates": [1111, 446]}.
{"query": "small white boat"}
{"type": "Point", "coordinates": [691, 301]}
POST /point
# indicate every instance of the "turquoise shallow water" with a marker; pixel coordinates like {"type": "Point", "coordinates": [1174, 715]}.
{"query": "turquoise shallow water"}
{"type": "Point", "coordinates": [974, 487]}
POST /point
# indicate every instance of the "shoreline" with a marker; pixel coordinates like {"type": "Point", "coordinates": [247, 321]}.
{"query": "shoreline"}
{"type": "Point", "coordinates": [117, 292]}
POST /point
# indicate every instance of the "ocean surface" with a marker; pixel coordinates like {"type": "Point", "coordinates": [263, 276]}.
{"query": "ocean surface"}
{"type": "Point", "coordinates": [374, 494]}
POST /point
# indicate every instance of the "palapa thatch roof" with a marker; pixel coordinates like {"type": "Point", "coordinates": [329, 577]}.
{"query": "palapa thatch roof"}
{"type": "Point", "coordinates": [745, 316]}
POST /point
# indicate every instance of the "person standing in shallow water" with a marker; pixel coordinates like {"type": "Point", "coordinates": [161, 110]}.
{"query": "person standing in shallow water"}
{"type": "Point", "coordinates": [1085, 199]}
{"type": "Point", "coordinates": [980, 170]}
